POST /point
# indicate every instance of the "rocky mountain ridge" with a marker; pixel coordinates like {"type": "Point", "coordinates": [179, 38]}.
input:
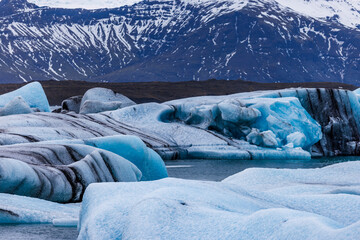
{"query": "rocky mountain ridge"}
{"type": "Point", "coordinates": [177, 40]}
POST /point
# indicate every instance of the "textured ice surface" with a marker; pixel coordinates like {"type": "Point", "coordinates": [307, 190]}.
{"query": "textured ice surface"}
{"type": "Point", "coordinates": [20, 209]}
{"type": "Point", "coordinates": [101, 99]}
{"type": "Point", "coordinates": [32, 93]}
{"type": "Point", "coordinates": [268, 120]}
{"type": "Point", "coordinates": [60, 171]}
{"type": "Point", "coordinates": [254, 204]}
{"type": "Point", "coordinates": [290, 123]}
{"type": "Point", "coordinates": [132, 149]}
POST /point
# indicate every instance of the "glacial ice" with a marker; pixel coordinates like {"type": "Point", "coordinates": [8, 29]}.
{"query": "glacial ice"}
{"type": "Point", "coordinates": [15, 106]}
{"type": "Point", "coordinates": [132, 149]}
{"type": "Point", "coordinates": [101, 99]}
{"type": "Point", "coordinates": [253, 204]}
{"type": "Point", "coordinates": [290, 123]}
{"type": "Point", "coordinates": [32, 93]}
{"type": "Point", "coordinates": [268, 121]}
{"type": "Point", "coordinates": [61, 170]}
{"type": "Point", "coordinates": [19, 209]}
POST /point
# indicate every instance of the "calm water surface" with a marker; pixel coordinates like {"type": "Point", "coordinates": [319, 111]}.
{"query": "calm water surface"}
{"type": "Point", "coordinates": [37, 232]}
{"type": "Point", "coordinates": [213, 170]}
{"type": "Point", "coordinates": [217, 170]}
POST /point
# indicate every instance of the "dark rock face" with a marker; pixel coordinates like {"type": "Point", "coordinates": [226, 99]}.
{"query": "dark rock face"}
{"type": "Point", "coordinates": [180, 42]}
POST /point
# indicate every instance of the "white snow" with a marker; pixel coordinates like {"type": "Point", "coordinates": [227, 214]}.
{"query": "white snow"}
{"type": "Point", "coordinates": [88, 4]}
{"type": "Point", "coordinates": [254, 204]}
{"type": "Point", "coordinates": [347, 10]}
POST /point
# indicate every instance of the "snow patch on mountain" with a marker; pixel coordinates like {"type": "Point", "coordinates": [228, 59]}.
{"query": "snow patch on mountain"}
{"type": "Point", "coordinates": [346, 12]}
{"type": "Point", "coordinates": [88, 4]}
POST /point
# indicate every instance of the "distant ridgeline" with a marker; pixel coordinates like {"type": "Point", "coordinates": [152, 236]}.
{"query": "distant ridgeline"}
{"type": "Point", "coordinates": [181, 40]}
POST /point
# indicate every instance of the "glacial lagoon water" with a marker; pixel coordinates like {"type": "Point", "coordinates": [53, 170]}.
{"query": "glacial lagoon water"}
{"type": "Point", "coordinates": [198, 169]}
{"type": "Point", "coordinates": [217, 170]}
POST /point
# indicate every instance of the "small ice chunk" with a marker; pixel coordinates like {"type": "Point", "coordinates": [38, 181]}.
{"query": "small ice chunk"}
{"type": "Point", "coordinates": [16, 106]}
{"type": "Point", "coordinates": [234, 112]}
{"type": "Point", "coordinates": [101, 99]}
{"type": "Point", "coordinates": [264, 139]}
{"type": "Point", "coordinates": [92, 106]}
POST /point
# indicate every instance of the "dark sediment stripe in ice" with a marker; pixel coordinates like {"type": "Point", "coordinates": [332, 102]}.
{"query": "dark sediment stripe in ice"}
{"type": "Point", "coordinates": [58, 172]}
{"type": "Point", "coordinates": [336, 112]}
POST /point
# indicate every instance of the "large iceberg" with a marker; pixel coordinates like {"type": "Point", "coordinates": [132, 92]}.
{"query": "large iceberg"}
{"type": "Point", "coordinates": [61, 170]}
{"type": "Point", "coordinates": [32, 93]}
{"type": "Point", "coordinates": [290, 123]}
{"type": "Point", "coordinates": [254, 204]}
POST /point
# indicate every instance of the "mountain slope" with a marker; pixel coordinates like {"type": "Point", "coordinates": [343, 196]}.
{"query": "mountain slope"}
{"type": "Point", "coordinates": [173, 40]}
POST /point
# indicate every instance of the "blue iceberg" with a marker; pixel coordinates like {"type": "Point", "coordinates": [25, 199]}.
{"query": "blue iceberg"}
{"type": "Point", "coordinates": [32, 93]}
{"type": "Point", "coordinates": [61, 170]}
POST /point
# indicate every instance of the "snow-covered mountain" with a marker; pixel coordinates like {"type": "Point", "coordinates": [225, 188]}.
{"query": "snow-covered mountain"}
{"type": "Point", "coordinates": [172, 40]}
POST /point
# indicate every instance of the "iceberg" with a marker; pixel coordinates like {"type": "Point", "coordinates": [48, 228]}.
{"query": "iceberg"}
{"type": "Point", "coordinates": [101, 99]}
{"type": "Point", "coordinates": [15, 106]}
{"type": "Point", "coordinates": [253, 204]}
{"type": "Point", "coordinates": [61, 170]}
{"type": "Point", "coordinates": [290, 123]}
{"type": "Point", "coordinates": [132, 149]}
{"type": "Point", "coordinates": [32, 93]}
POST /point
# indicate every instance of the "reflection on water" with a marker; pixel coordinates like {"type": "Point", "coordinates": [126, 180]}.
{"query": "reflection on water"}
{"type": "Point", "coordinates": [37, 232]}
{"type": "Point", "coordinates": [217, 170]}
